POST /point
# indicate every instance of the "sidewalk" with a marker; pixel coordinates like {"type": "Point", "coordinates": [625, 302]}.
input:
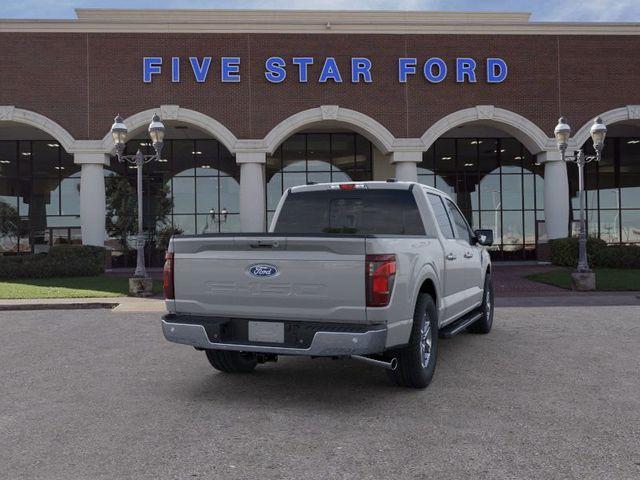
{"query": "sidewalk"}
{"type": "Point", "coordinates": [117, 304]}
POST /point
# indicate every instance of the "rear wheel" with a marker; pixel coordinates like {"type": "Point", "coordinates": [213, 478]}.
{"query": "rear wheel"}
{"type": "Point", "coordinates": [232, 362]}
{"type": "Point", "coordinates": [484, 323]}
{"type": "Point", "coordinates": [417, 361]}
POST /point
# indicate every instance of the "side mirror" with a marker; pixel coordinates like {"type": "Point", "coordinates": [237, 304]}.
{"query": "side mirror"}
{"type": "Point", "coordinates": [484, 237]}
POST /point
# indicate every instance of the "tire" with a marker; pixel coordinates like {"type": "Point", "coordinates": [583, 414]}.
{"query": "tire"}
{"type": "Point", "coordinates": [417, 361]}
{"type": "Point", "coordinates": [484, 323]}
{"type": "Point", "coordinates": [232, 362]}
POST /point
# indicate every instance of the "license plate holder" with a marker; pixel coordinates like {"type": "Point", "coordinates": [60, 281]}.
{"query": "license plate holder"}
{"type": "Point", "coordinates": [266, 332]}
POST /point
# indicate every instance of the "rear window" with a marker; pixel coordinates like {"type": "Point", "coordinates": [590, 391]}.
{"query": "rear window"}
{"type": "Point", "coordinates": [358, 212]}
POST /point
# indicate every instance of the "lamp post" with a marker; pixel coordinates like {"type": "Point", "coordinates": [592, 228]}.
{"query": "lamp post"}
{"type": "Point", "coordinates": [562, 133]}
{"type": "Point", "coordinates": [119, 133]}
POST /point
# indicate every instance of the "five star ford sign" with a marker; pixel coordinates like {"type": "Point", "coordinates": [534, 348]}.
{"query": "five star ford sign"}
{"type": "Point", "coordinates": [361, 69]}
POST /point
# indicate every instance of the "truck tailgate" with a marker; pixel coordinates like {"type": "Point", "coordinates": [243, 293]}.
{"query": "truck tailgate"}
{"type": "Point", "coordinates": [271, 277]}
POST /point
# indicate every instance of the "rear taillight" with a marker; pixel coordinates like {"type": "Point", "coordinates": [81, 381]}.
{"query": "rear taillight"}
{"type": "Point", "coordinates": [380, 271]}
{"type": "Point", "coordinates": [167, 277]}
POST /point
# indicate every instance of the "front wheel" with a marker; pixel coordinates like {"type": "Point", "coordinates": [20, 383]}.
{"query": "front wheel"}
{"type": "Point", "coordinates": [484, 323]}
{"type": "Point", "coordinates": [417, 361]}
{"type": "Point", "coordinates": [232, 362]}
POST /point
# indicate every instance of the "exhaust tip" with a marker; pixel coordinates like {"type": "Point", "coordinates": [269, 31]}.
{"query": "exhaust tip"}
{"type": "Point", "coordinates": [393, 365]}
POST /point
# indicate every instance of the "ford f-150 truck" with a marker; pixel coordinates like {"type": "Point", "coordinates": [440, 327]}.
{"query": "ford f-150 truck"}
{"type": "Point", "coordinates": [374, 271]}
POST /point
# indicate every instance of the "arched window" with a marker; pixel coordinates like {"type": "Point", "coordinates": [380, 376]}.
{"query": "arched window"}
{"type": "Point", "coordinates": [318, 158]}
{"type": "Point", "coordinates": [497, 185]}
{"type": "Point", "coordinates": [199, 178]}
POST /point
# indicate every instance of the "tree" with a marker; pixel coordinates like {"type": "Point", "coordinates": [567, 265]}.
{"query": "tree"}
{"type": "Point", "coordinates": [9, 221]}
{"type": "Point", "coordinates": [122, 208]}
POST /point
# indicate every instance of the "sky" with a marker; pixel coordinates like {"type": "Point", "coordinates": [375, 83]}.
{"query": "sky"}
{"type": "Point", "coordinates": [542, 10]}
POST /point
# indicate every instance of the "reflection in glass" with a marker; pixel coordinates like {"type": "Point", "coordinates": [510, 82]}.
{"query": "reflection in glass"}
{"type": "Point", "coordinates": [39, 190]}
{"type": "Point", "coordinates": [183, 195]}
{"type": "Point", "coordinates": [512, 230]}
{"type": "Point", "coordinates": [206, 195]}
{"type": "Point", "coordinates": [610, 226]}
{"type": "Point", "coordinates": [630, 222]}
{"type": "Point", "coordinates": [187, 223]}
{"type": "Point", "coordinates": [512, 191]}
{"type": "Point", "coordinates": [612, 187]}
{"type": "Point", "coordinates": [317, 158]}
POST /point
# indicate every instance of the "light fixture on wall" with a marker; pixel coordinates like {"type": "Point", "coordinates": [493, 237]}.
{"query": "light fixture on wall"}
{"type": "Point", "coordinates": [119, 133]}
{"type": "Point", "coordinates": [562, 133]}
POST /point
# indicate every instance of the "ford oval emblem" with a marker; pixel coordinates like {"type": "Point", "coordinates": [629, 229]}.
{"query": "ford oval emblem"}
{"type": "Point", "coordinates": [263, 270]}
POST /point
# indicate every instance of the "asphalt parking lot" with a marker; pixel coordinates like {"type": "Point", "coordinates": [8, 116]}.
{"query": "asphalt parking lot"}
{"type": "Point", "coordinates": [551, 393]}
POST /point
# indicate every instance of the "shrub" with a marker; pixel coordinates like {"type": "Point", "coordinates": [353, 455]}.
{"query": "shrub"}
{"type": "Point", "coordinates": [61, 261]}
{"type": "Point", "coordinates": [564, 251]}
{"type": "Point", "coordinates": [618, 256]}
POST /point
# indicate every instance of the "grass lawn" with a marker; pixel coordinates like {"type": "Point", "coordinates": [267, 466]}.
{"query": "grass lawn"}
{"type": "Point", "coordinates": [72, 287]}
{"type": "Point", "coordinates": [607, 279]}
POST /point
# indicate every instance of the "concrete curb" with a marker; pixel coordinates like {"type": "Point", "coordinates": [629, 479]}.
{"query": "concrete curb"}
{"type": "Point", "coordinates": [599, 299]}
{"type": "Point", "coordinates": [115, 304]}
{"type": "Point", "coordinates": [57, 306]}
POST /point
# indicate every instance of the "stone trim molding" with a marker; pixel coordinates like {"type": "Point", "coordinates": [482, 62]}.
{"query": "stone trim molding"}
{"type": "Point", "coordinates": [309, 21]}
{"type": "Point", "coordinates": [177, 113]}
{"type": "Point", "coordinates": [331, 114]}
{"type": "Point", "coordinates": [10, 113]}
{"type": "Point", "coordinates": [531, 136]}
{"type": "Point", "coordinates": [629, 112]}
{"type": "Point", "coordinates": [549, 156]}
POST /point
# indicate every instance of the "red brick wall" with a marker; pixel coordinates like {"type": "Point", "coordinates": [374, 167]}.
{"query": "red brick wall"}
{"type": "Point", "coordinates": [82, 80]}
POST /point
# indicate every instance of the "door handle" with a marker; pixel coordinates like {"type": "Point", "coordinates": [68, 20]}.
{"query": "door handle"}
{"type": "Point", "coordinates": [451, 256]}
{"type": "Point", "coordinates": [468, 255]}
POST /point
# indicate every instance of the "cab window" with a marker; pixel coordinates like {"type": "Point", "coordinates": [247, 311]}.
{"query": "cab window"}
{"type": "Point", "coordinates": [462, 227]}
{"type": "Point", "coordinates": [442, 217]}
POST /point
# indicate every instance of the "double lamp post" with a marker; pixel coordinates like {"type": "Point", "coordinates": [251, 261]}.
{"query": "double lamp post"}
{"type": "Point", "coordinates": [583, 278]}
{"type": "Point", "coordinates": [119, 133]}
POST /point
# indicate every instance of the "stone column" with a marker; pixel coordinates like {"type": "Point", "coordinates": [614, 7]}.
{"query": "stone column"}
{"type": "Point", "coordinates": [252, 191]}
{"type": "Point", "coordinates": [556, 194]}
{"type": "Point", "coordinates": [406, 164]}
{"type": "Point", "coordinates": [92, 197]}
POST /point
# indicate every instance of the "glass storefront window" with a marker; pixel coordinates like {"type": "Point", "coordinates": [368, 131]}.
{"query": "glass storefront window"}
{"type": "Point", "coordinates": [496, 184]}
{"type": "Point", "coordinates": [612, 189]}
{"type": "Point", "coordinates": [201, 180]}
{"type": "Point", "coordinates": [318, 158]}
{"type": "Point", "coordinates": [630, 224]}
{"type": "Point", "coordinates": [39, 195]}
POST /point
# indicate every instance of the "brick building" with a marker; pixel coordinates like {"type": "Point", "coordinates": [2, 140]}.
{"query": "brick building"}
{"type": "Point", "coordinates": [257, 101]}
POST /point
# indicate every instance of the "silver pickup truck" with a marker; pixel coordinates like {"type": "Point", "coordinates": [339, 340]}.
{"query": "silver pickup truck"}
{"type": "Point", "coordinates": [373, 271]}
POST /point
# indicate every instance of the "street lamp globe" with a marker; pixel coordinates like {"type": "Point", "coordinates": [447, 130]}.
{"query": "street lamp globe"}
{"type": "Point", "coordinates": [119, 133]}
{"type": "Point", "coordinates": [156, 132]}
{"type": "Point", "coordinates": [598, 133]}
{"type": "Point", "coordinates": [562, 133]}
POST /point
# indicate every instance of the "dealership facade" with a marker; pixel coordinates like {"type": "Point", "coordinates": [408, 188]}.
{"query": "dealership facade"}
{"type": "Point", "coordinates": [257, 101]}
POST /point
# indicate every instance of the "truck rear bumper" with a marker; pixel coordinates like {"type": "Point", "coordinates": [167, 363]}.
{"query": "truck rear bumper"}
{"type": "Point", "coordinates": [190, 331]}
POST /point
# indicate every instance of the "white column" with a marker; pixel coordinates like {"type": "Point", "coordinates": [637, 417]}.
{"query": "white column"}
{"type": "Point", "coordinates": [406, 164]}
{"type": "Point", "coordinates": [556, 194]}
{"type": "Point", "coordinates": [92, 197]}
{"type": "Point", "coordinates": [252, 191]}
